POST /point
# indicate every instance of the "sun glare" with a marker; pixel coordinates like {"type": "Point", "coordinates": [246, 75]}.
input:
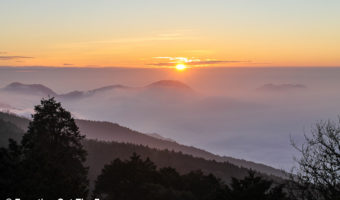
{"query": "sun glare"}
{"type": "Point", "coordinates": [181, 67]}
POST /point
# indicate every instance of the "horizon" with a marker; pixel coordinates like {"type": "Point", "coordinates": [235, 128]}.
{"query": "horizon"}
{"type": "Point", "coordinates": [218, 99]}
{"type": "Point", "coordinates": [169, 67]}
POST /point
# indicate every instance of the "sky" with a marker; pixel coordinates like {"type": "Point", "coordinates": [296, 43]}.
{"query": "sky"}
{"type": "Point", "coordinates": [162, 33]}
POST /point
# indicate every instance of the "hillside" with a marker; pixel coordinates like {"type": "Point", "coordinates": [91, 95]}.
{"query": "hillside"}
{"type": "Point", "coordinates": [20, 122]}
{"type": "Point", "coordinates": [9, 130]}
{"type": "Point", "coordinates": [101, 153]}
{"type": "Point", "coordinates": [113, 132]}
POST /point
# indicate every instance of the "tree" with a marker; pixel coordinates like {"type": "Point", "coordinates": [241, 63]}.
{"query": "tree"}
{"type": "Point", "coordinates": [49, 163]}
{"type": "Point", "coordinates": [205, 187]}
{"type": "Point", "coordinates": [318, 173]}
{"type": "Point", "coordinates": [140, 179]}
{"type": "Point", "coordinates": [10, 170]}
{"type": "Point", "coordinates": [130, 179]}
{"type": "Point", "coordinates": [254, 187]}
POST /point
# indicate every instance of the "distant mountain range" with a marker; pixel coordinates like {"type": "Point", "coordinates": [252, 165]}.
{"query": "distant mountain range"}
{"type": "Point", "coordinates": [43, 91]}
{"type": "Point", "coordinates": [281, 87]}
{"type": "Point", "coordinates": [110, 132]}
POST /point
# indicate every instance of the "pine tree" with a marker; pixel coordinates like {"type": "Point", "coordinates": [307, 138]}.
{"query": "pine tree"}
{"type": "Point", "coordinates": [10, 172]}
{"type": "Point", "coordinates": [126, 179]}
{"type": "Point", "coordinates": [254, 187]}
{"type": "Point", "coordinates": [53, 155]}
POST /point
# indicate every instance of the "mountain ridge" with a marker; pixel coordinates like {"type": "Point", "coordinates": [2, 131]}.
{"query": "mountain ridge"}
{"type": "Point", "coordinates": [107, 131]}
{"type": "Point", "coordinates": [42, 90]}
{"type": "Point", "coordinates": [37, 89]}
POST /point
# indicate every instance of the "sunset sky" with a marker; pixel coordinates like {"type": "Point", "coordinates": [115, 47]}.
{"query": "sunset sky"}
{"type": "Point", "coordinates": [159, 33]}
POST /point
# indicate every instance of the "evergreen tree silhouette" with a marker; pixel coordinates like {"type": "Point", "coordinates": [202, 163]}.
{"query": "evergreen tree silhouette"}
{"type": "Point", "coordinates": [140, 179]}
{"type": "Point", "coordinates": [10, 170]}
{"type": "Point", "coordinates": [254, 187]}
{"type": "Point", "coordinates": [126, 180]}
{"type": "Point", "coordinates": [49, 163]}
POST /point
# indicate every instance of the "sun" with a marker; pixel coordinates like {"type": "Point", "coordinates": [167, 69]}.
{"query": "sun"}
{"type": "Point", "coordinates": [181, 67]}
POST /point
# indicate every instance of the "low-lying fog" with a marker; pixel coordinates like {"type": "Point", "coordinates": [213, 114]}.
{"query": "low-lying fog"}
{"type": "Point", "coordinates": [247, 113]}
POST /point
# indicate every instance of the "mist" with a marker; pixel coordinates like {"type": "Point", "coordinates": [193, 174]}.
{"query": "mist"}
{"type": "Point", "coordinates": [247, 113]}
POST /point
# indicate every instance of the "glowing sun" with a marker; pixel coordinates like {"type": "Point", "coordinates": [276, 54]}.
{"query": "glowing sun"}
{"type": "Point", "coordinates": [181, 67]}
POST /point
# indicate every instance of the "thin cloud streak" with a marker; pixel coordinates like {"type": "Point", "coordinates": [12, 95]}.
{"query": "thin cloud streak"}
{"type": "Point", "coordinates": [197, 63]}
{"type": "Point", "coordinates": [192, 61]}
{"type": "Point", "coordinates": [14, 57]}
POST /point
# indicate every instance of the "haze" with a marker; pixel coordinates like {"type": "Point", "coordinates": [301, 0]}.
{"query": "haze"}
{"type": "Point", "coordinates": [247, 113]}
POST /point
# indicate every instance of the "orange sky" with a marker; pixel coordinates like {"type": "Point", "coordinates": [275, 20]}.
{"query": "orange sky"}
{"type": "Point", "coordinates": [156, 33]}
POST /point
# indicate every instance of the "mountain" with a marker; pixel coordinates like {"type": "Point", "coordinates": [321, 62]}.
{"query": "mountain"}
{"type": "Point", "coordinates": [169, 84]}
{"type": "Point", "coordinates": [103, 152]}
{"type": "Point", "coordinates": [281, 87]}
{"type": "Point", "coordinates": [80, 94]}
{"type": "Point", "coordinates": [9, 130]}
{"type": "Point", "coordinates": [42, 91]}
{"type": "Point", "coordinates": [33, 89]}
{"type": "Point", "coordinates": [169, 91]}
{"type": "Point", "coordinates": [113, 132]}
{"type": "Point", "coordinates": [18, 121]}
{"type": "Point", "coordinates": [158, 136]}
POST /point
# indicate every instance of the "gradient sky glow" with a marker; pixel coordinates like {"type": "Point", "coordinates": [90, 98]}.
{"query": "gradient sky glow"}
{"type": "Point", "coordinates": [136, 33]}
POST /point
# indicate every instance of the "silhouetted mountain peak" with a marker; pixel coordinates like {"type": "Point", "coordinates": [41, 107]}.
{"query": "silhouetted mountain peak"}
{"type": "Point", "coordinates": [29, 88]}
{"type": "Point", "coordinates": [169, 84]}
{"type": "Point", "coordinates": [41, 90]}
{"type": "Point", "coordinates": [106, 88]}
{"type": "Point", "coordinates": [79, 94]}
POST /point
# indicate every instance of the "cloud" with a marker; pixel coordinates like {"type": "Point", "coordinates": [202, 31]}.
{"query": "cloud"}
{"type": "Point", "coordinates": [67, 64]}
{"type": "Point", "coordinates": [3, 52]}
{"type": "Point", "coordinates": [211, 62]}
{"type": "Point", "coordinates": [192, 61]}
{"type": "Point", "coordinates": [14, 57]}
